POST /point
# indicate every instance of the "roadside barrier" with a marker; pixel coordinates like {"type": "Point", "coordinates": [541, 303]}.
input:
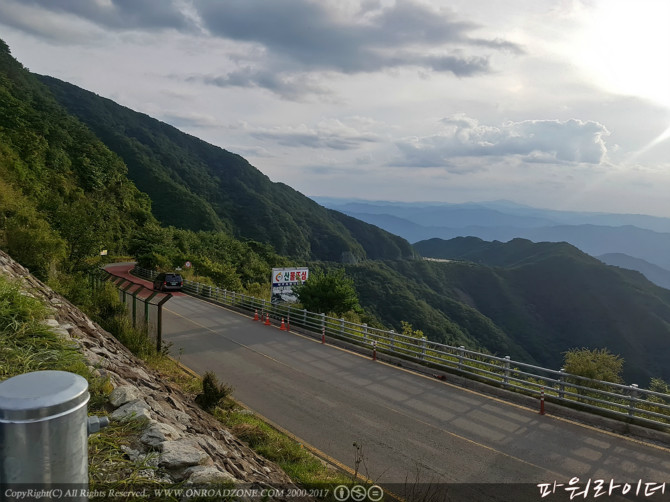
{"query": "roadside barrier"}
{"type": "Point", "coordinates": [130, 293]}
{"type": "Point", "coordinates": [624, 402]}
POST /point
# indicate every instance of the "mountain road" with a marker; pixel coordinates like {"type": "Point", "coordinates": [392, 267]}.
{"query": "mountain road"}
{"type": "Point", "coordinates": [411, 429]}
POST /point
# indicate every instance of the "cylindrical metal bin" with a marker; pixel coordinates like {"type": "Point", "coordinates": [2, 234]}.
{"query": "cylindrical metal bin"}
{"type": "Point", "coordinates": [43, 429]}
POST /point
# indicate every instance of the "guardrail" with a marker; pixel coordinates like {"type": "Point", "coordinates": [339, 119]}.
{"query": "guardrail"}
{"type": "Point", "coordinates": [130, 293]}
{"type": "Point", "coordinates": [625, 402]}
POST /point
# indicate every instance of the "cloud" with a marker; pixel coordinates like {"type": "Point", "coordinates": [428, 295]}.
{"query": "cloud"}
{"type": "Point", "coordinates": [543, 141]}
{"type": "Point", "coordinates": [288, 47]}
{"type": "Point", "coordinates": [190, 120]}
{"type": "Point", "coordinates": [290, 86]}
{"type": "Point", "coordinates": [117, 14]}
{"type": "Point", "coordinates": [331, 134]}
{"type": "Point", "coordinates": [308, 34]}
{"type": "Point", "coordinates": [57, 29]}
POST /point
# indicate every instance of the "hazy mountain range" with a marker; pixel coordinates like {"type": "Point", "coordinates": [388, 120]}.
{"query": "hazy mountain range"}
{"type": "Point", "coordinates": [634, 241]}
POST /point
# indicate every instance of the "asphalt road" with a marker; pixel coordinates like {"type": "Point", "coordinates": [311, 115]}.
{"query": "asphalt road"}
{"type": "Point", "coordinates": [411, 428]}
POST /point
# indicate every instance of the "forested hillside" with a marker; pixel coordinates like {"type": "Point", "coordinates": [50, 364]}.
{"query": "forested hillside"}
{"type": "Point", "coordinates": [65, 196]}
{"type": "Point", "coordinates": [550, 297]}
{"type": "Point", "coordinates": [198, 186]}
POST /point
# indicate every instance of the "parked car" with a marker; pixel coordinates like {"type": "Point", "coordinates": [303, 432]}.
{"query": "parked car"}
{"type": "Point", "coordinates": [168, 282]}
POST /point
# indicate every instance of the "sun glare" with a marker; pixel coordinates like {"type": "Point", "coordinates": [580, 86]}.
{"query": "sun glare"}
{"type": "Point", "coordinates": [625, 48]}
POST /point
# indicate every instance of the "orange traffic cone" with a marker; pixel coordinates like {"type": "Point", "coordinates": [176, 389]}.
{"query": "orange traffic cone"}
{"type": "Point", "coordinates": [256, 318]}
{"type": "Point", "coordinates": [283, 326]}
{"type": "Point", "coordinates": [267, 319]}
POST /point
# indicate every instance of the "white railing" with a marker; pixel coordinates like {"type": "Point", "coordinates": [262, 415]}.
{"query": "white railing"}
{"type": "Point", "coordinates": [627, 402]}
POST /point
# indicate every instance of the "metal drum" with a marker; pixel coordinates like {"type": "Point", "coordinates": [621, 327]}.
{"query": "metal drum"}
{"type": "Point", "coordinates": [44, 429]}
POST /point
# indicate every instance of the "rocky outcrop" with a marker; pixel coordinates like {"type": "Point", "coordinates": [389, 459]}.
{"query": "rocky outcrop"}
{"type": "Point", "coordinates": [182, 441]}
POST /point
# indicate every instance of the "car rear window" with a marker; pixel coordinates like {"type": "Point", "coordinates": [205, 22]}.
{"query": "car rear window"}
{"type": "Point", "coordinates": [173, 278]}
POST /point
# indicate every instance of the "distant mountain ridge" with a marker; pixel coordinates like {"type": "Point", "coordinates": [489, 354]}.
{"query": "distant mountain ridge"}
{"type": "Point", "coordinates": [527, 216]}
{"type": "Point", "coordinates": [655, 274]}
{"type": "Point", "coordinates": [643, 237]}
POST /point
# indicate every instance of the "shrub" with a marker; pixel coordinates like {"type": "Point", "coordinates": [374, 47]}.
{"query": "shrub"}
{"type": "Point", "coordinates": [212, 392]}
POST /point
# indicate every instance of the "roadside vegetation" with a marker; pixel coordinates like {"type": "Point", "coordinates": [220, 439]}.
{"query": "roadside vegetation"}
{"type": "Point", "coordinates": [28, 344]}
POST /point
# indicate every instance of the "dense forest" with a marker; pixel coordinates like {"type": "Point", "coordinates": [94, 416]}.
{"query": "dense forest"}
{"type": "Point", "coordinates": [80, 173]}
{"type": "Point", "coordinates": [198, 186]}
{"type": "Point", "coordinates": [65, 196]}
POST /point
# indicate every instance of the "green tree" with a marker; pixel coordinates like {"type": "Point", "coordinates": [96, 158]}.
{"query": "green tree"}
{"type": "Point", "coordinates": [598, 364]}
{"type": "Point", "coordinates": [328, 292]}
{"type": "Point", "coordinates": [659, 385]}
{"type": "Point", "coordinates": [408, 330]}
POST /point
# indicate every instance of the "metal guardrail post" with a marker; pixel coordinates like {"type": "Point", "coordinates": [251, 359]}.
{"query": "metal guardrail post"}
{"type": "Point", "coordinates": [342, 326]}
{"type": "Point", "coordinates": [633, 397]}
{"type": "Point", "coordinates": [460, 356]}
{"type": "Point", "coordinates": [392, 339]}
{"type": "Point", "coordinates": [44, 428]}
{"type": "Point", "coordinates": [424, 343]}
{"type": "Point", "coordinates": [147, 302]}
{"type": "Point", "coordinates": [506, 370]}
{"type": "Point", "coordinates": [134, 295]}
{"type": "Point", "coordinates": [124, 291]}
{"type": "Point", "coordinates": [159, 322]}
{"type": "Point", "coordinates": [561, 384]}
{"type": "Point", "coordinates": [365, 332]}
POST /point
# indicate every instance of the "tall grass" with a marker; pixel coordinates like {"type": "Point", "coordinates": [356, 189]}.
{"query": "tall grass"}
{"type": "Point", "coordinates": [26, 343]}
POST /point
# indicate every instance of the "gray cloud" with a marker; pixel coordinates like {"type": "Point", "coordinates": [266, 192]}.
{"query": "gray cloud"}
{"type": "Point", "coordinates": [331, 134]}
{"type": "Point", "coordinates": [291, 86]}
{"type": "Point", "coordinates": [543, 141]}
{"type": "Point", "coordinates": [308, 35]}
{"type": "Point", "coordinates": [56, 29]}
{"type": "Point", "coordinates": [118, 14]}
{"type": "Point", "coordinates": [288, 44]}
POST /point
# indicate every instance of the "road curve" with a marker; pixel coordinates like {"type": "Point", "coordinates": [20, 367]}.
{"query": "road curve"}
{"type": "Point", "coordinates": [411, 428]}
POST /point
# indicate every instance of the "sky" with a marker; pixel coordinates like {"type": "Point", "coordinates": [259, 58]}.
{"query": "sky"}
{"type": "Point", "coordinates": [561, 104]}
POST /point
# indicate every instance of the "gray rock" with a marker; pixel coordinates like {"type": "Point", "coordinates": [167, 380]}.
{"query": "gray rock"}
{"type": "Point", "coordinates": [62, 333]}
{"type": "Point", "coordinates": [133, 455]}
{"type": "Point", "coordinates": [134, 410]}
{"type": "Point", "coordinates": [158, 433]}
{"type": "Point", "coordinates": [124, 394]}
{"type": "Point", "coordinates": [155, 405]}
{"type": "Point", "coordinates": [181, 453]}
{"type": "Point", "coordinates": [181, 417]}
{"type": "Point", "coordinates": [205, 474]}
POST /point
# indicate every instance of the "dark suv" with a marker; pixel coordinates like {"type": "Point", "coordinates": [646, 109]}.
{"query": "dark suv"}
{"type": "Point", "coordinates": [168, 282]}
